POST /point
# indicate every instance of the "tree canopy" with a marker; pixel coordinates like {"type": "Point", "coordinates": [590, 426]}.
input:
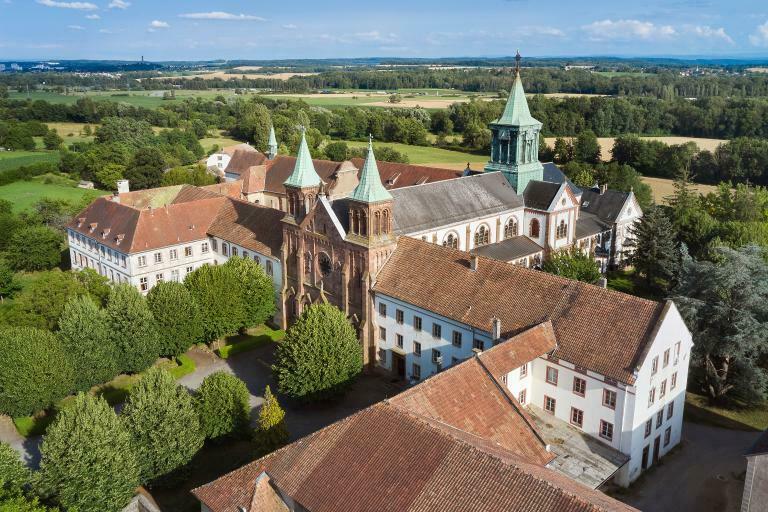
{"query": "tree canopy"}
{"type": "Point", "coordinates": [177, 317]}
{"type": "Point", "coordinates": [132, 328]}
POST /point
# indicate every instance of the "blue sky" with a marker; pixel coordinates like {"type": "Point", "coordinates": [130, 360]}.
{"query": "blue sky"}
{"type": "Point", "coordinates": [256, 29]}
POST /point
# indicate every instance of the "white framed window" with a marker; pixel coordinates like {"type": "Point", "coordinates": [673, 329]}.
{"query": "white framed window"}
{"type": "Point", "coordinates": [552, 375]}
{"type": "Point", "coordinates": [606, 430]}
{"type": "Point", "coordinates": [382, 334]}
{"type": "Point", "coordinates": [173, 254]}
{"type": "Point", "coordinates": [204, 248]}
{"type": "Point", "coordinates": [521, 397]}
{"type": "Point", "coordinates": [673, 381]}
{"type": "Point", "coordinates": [655, 365]}
{"type": "Point", "coordinates": [436, 355]}
{"type": "Point", "coordinates": [659, 418]}
{"type": "Point", "coordinates": [524, 370]}
{"type": "Point", "coordinates": [549, 404]}
{"type": "Point", "coordinates": [670, 409]}
{"type": "Point", "coordinates": [158, 257]}
{"type": "Point", "coordinates": [159, 278]}
{"type": "Point", "coordinates": [399, 340]}
{"type": "Point", "coordinates": [416, 348]}
{"type": "Point", "coordinates": [175, 275]}
{"type": "Point", "coordinates": [143, 284]}
{"type": "Point", "coordinates": [416, 371]}
{"type": "Point", "coordinates": [399, 316]}
{"type": "Point", "coordinates": [648, 428]}
{"type": "Point", "coordinates": [416, 323]}
{"type": "Point", "coordinates": [651, 396]}
{"type": "Point", "coordinates": [383, 309]}
{"type": "Point", "coordinates": [142, 261]}
{"type": "Point", "coordinates": [188, 251]}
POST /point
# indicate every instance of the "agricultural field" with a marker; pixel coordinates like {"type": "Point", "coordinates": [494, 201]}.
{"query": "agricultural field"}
{"type": "Point", "coordinates": [24, 194]}
{"type": "Point", "coordinates": [664, 188]}
{"type": "Point", "coordinates": [246, 71]}
{"type": "Point", "coordinates": [606, 143]}
{"type": "Point", "coordinates": [148, 99]}
{"type": "Point", "coordinates": [431, 156]}
{"type": "Point", "coordinates": [14, 159]}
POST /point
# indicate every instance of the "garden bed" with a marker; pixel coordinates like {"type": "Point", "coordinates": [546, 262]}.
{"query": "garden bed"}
{"type": "Point", "coordinates": [254, 338]}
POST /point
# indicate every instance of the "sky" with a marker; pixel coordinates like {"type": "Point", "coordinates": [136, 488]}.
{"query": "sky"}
{"type": "Point", "coordinates": [257, 29]}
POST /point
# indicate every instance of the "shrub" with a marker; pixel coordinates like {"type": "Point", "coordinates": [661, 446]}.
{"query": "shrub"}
{"type": "Point", "coordinates": [573, 264]}
{"type": "Point", "coordinates": [133, 329]}
{"type": "Point", "coordinates": [177, 317]}
{"type": "Point", "coordinates": [256, 290]}
{"type": "Point", "coordinates": [85, 337]}
{"type": "Point", "coordinates": [87, 460]}
{"type": "Point", "coordinates": [34, 248]}
{"type": "Point", "coordinates": [35, 371]}
{"type": "Point", "coordinates": [271, 432]}
{"type": "Point", "coordinates": [163, 424]}
{"type": "Point", "coordinates": [222, 405]}
{"type": "Point", "coordinates": [217, 292]}
{"type": "Point", "coordinates": [319, 356]}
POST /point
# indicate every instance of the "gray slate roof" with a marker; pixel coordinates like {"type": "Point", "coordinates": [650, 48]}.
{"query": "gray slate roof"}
{"type": "Point", "coordinates": [606, 206]}
{"type": "Point", "coordinates": [427, 206]}
{"type": "Point", "coordinates": [589, 225]}
{"type": "Point", "coordinates": [510, 249]}
{"type": "Point", "coordinates": [552, 173]}
{"type": "Point", "coordinates": [540, 194]}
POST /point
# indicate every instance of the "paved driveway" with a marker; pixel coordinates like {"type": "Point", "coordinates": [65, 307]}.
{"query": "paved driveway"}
{"type": "Point", "coordinates": [705, 474]}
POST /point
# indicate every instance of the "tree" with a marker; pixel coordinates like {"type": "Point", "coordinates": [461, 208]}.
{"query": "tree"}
{"type": "Point", "coordinates": [257, 292]}
{"type": "Point", "coordinates": [222, 404]}
{"type": "Point", "coordinates": [164, 427]}
{"type": "Point", "coordinates": [14, 474]}
{"type": "Point", "coordinates": [654, 250]}
{"type": "Point", "coordinates": [34, 248]}
{"type": "Point", "coordinates": [587, 148]}
{"type": "Point", "coordinates": [725, 305]}
{"type": "Point", "coordinates": [217, 292]}
{"type": "Point", "coordinates": [22, 504]}
{"type": "Point", "coordinates": [41, 302]}
{"type": "Point", "coordinates": [271, 432]}
{"type": "Point", "coordinates": [87, 459]}
{"type": "Point", "coordinates": [196, 175]}
{"type": "Point", "coordinates": [8, 283]}
{"type": "Point", "coordinates": [320, 355]}
{"type": "Point", "coordinates": [336, 151]}
{"type": "Point", "coordinates": [177, 317]}
{"type": "Point", "coordinates": [85, 337]}
{"type": "Point", "coordinates": [97, 285]}
{"type": "Point", "coordinates": [108, 176]}
{"type": "Point", "coordinates": [35, 371]}
{"type": "Point", "coordinates": [146, 168]}
{"type": "Point", "coordinates": [52, 140]}
{"type": "Point", "coordinates": [133, 329]}
{"type": "Point", "coordinates": [563, 151]}
{"type": "Point", "coordinates": [573, 264]}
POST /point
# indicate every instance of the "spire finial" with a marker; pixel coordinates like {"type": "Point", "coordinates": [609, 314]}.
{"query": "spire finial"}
{"type": "Point", "coordinates": [370, 141]}
{"type": "Point", "coordinates": [518, 58]}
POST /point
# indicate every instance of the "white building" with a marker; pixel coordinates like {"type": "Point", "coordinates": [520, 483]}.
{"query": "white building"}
{"type": "Point", "coordinates": [618, 373]}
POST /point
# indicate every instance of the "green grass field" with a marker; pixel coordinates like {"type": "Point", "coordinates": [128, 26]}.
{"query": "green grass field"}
{"type": "Point", "coordinates": [430, 155]}
{"type": "Point", "coordinates": [24, 194]}
{"type": "Point", "coordinates": [149, 99]}
{"type": "Point", "coordinates": [738, 417]}
{"type": "Point", "coordinates": [14, 159]}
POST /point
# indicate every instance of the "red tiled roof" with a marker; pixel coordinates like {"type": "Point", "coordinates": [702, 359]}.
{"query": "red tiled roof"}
{"type": "Point", "coordinates": [249, 225]}
{"type": "Point", "coordinates": [397, 175]}
{"type": "Point", "coordinates": [584, 317]}
{"type": "Point", "coordinates": [279, 168]}
{"type": "Point", "coordinates": [243, 159]}
{"type": "Point", "coordinates": [386, 458]}
{"type": "Point", "coordinates": [520, 349]}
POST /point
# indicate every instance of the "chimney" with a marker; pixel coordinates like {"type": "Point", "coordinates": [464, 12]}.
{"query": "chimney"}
{"type": "Point", "coordinates": [116, 198]}
{"type": "Point", "coordinates": [603, 188]}
{"type": "Point", "coordinates": [123, 187]}
{"type": "Point", "coordinates": [602, 282]}
{"type": "Point", "coordinates": [495, 329]}
{"type": "Point", "coordinates": [473, 262]}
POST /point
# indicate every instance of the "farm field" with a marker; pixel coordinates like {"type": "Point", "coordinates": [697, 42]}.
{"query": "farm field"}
{"type": "Point", "coordinates": [664, 188]}
{"type": "Point", "coordinates": [148, 99]}
{"type": "Point", "coordinates": [606, 143]}
{"type": "Point", "coordinates": [246, 71]}
{"type": "Point", "coordinates": [24, 194]}
{"type": "Point", "coordinates": [14, 159]}
{"type": "Point", "coordinates": [430, 156]}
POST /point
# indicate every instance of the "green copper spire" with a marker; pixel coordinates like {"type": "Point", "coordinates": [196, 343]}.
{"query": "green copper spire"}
{"type": "Point", "coordinates": [304, 173]}
{"type": "Point", "coordinates": [272, 144]}
{"type": "Point", "coordinates": [370, 189]}
{"type": "Point", "coordinates": [516, 112]}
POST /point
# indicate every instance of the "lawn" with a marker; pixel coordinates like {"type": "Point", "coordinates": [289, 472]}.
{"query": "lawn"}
{"type": "Point", "coordinates": [24, 194]}
{"type": "Point", "coordinates": [14, 159]}
{"type": "Point", "coordinates": [627, 281]}
{"type": "Point", "coordinates": [429, 155]}
{"type": "Point", "coordinates": [219, 139]}
{"type": "Point", "coordinates": [740, 417]}
{"type": "Point", "coordinates": [254, 338]}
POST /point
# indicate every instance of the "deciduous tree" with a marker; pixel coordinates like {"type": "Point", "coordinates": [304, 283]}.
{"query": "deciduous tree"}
{"type": "Point", "coordinates": [271, 432]}
{"type": "Point", "coordinates": [222, 405]}
{"type": "Point", "coordinates": [34, 248]}
{"type": "Point", "coordinates": [177, 316]}
{"type": "Point", "coordinates": [217, 292]}
{"type": "Point", "coordinates": [257, 292]}
{"type": "Point", "coordinates": [133, 328]}
{"type": "Point", "coordinates": [573, 264]}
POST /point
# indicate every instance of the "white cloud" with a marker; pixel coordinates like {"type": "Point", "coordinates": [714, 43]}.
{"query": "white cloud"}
{"type": "Point", "coordinates": [83, 6]}
{"type": "Point", "coordinates": [606, 30]}
{"type": "Point", "coordinates": [75, 27]}
{"type": "Point", "coordinates": [119, 4]}
{"type": "Point", "coordinates": [157, 24]}
{"type": "Point", "coordinates": [290, 26]}
{"type": "Point", "coordinates": [375, 36]}
{"type": "Point", "coordinates": [541, 31]}
{"type": "Point", "coordinates": [708, 32]}
{"type": "Point", "coordinates": [219, 15]}
{"type": "Point", "coordinates": [760, 37]}
{"type": "Point", "coordinates": [105, 31]}
{"type": "Point", "coordinates": [93, 17]}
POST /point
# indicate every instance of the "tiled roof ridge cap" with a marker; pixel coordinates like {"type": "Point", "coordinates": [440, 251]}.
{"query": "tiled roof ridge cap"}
{"type": "Point", "coordinates": [471, 176]}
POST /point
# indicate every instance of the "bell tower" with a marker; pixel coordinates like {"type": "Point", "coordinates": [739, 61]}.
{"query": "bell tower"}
{"type": "Point", "coordinates": [515, 139]}
{"type": "Point", "coordinates": [302, 186]}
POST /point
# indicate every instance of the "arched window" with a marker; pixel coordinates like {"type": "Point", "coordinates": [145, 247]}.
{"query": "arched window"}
{"type": "Point", "coordinates": [451, 241]}
{"type": "Point", "coordinates": [481, 235]}
{"type": "Point", "coordinates": [562, 230]}
{"type": "Point", "coordinates": [533, 231]}
{"type": "Point", "coordinates": [510, 229]}
{"type": "Point", "coordinates": [324, 261]}
{"type": "Point", "coordinates": [385, 221]}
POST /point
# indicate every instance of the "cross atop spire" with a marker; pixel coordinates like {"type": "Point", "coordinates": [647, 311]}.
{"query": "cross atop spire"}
{"type": "Point", "coordinates": [518, 58]}
{"type": "Point", "coordinates": [516, 112]}
{"type": "Point", "coordinates": [370, 189]}
{"type": "Point", "coordinates": [304, 173]}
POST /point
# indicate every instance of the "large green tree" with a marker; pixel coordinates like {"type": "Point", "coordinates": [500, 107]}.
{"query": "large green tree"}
{"type": "Point", "coordinates": [655, 250]}
{"type": "Point", "coordinates": [222, 405]}
{"type": "Point", "coordinates": [177, 316]}
{"type": "Point", "coordinates": [8, 282]}
{"type": "Point", "coordinates": [163, 424]}
{"type": "Point", "coordinates": [84, 332]}
{"type": "Point", "coordinates": [14, 474]}
{"type": "Point", "coordinates": [257, 292]}
{"type": "Point", "coordinates": [41, 302]}
{"type": "Point", "coordinates": [132, 328]}
{"type": "Point", "coordinates": [573, 264]}
{"type": "Point", "coordinates": [586, 148]}
{"type": "Point", "coordinates": [320, 355]}
{"type": "Point", "coordinates": [271, 431]}
{"type": "Point", "coordinates": [87, 458]}
{"type": "Point", "coordinates": [34, 248]}
{"type": "Point", "coordinates": [725, 305]}
{"type": "Point", "coordinates": [217, 292]}
{"type": "Point", "coordinates": [146, 168]}
{"type": "Point", "coordinates": [35, 371]}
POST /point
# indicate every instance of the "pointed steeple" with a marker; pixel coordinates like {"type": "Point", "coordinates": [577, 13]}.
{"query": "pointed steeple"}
{"type": "Point", "coordinates": [516, 112]}
{"type": "Point", "coordinates": [370, 189]}
{"type": "Point", "coordinates": [304, 173]}
{"type": "Point", "coordinates": [272, 144]}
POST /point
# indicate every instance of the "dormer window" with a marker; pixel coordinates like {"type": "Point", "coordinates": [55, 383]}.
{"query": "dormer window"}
{"type": "Point", "coordinates": [80, 221]}
{"type": "Point", "coordinates": [105, 233]}
{"type": "Point", "coordinates": [118, 239]}
{"type": "Point", "coordinates": [93, 227]}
